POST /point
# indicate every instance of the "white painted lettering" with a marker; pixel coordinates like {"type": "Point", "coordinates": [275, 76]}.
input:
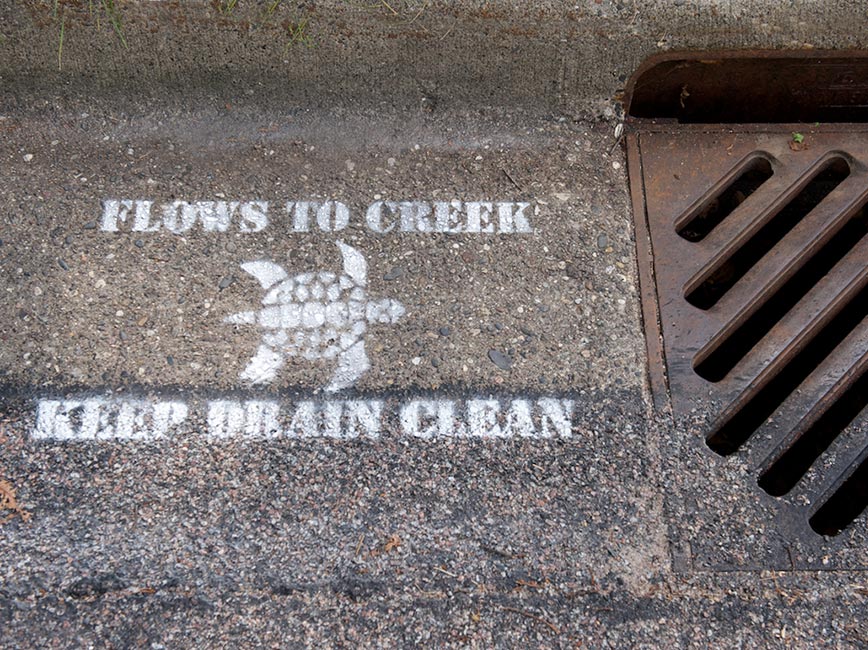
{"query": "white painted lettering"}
{"type": "Point", "coordinates": [518, 420]}
{"type": "Point", "coordinates": [167, 416]}
{"type": "Point", "coordinates": [330, 415]}
{"type": "Point", "coordinates": [512, 218]}
{"type": "Point", "coordinates": [415, 216]}
{"type": "Point", "coordinates": [374, 216]}
{"type": "Point", "coordinates": [332, 216]}
{"type": "Point", "coordinates": [432, 419]}
{"type": "Point", "coordinates": [364, 418]}
{"type": "Point", "coordinates": [250, 419]}
{"type": "Point", "coordinates": [447, 216]}
{"type": "Point", "coordinates": [482, 418]}
{"type": "Point", "coordinates": [216, 215]}
{"type": "Point", "coordinates": [46, 419]}
{"type": "Point", "coordinates": [114, 211]}
{"type": "Point", "coordinates": [452, 216]}
{"type": "Point", "coordinates": [556, 417]}
{"type": "Point", "coordinates": [304, 421]}
{"type": "Point", "coordinates": [479, 216]}
{"type": "Point", "coordinates": [300, 215]}
{"type": "Point", "coordinates": [411, 418]}
{"type": "Point", "coordinates": [225, 419]}
{"type": "Point", "coordinates": [142, 220]}
{"type": "Point", "coordinates": [300, 221]}
{"type": "Point", "coordinates": [261, 419]}
{"type": "Point", "coordinates": [254, 216]}
{"type": "Point", "coordinates": [102, 419]}
{"type": "Point", "coordinates": [179, 216]}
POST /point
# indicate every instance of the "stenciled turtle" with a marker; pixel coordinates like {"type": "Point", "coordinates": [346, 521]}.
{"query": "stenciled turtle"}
{"type": "Point", "coordinates": [315, 316]}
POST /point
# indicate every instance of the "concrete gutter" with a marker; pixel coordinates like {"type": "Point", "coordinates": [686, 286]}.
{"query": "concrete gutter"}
{"type": "Point", "coordinates": [519, 488]}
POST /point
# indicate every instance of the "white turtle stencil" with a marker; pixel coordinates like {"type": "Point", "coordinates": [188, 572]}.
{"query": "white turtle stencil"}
{"type": "Point", "coordinates": [315, 316]}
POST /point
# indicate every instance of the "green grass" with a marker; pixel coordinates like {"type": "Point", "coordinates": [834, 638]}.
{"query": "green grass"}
{"type": "Point", "coordinates": [226, 7]}
{"type": "Point", "coordinates": [271, 8]}
{"type": "Point", "coordinates": [63, 13]}
{"type": "Point", "coordinates": [402, 8]}
{"type": "Point", "coordinates": [111, 11]}
{"type": "Point", "coordinates": [298, 35]}
{"type": "Point", "coordinates": [60, 42]}
{"type": "Point", "coordinates": [66, 14]}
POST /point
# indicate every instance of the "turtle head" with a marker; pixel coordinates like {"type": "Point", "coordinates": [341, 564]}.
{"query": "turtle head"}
{"type": "Point", "coordinates": [384, 311]}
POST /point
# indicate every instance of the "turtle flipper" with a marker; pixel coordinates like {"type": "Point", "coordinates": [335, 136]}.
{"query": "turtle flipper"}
{"type": "Point", "coordinates": [355, 265]}
{"type": "Point", "coordinates": [352, 364]}
{"type": "Point", "coordinates": [267, 273]}
{"type": "Point", "coordinates": [263, 366]}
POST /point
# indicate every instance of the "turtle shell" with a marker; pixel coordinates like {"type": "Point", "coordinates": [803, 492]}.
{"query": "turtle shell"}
{"type": "Point", "coordinates": [314, 315]}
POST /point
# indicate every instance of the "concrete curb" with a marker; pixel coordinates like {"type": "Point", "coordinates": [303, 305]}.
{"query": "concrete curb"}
{"type": "Point", "coordinates": [550, 57]}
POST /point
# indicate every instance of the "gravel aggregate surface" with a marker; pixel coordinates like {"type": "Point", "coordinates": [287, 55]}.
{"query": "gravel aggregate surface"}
{"type": "Point", "coordinates": [619, 529]}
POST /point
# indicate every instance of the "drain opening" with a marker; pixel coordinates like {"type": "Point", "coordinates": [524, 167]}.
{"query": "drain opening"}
{"type": "Point", "coordinates": [706, 329]}
{"type": "Point", "coordinates": [705, 293]}
{"type": "Point", "coordinates": [786, 471]}
{"type": "Point", "coordinates": [716, 364]}
{"type": "Point", "coordinates": [713, 211]}
{"type": "Point", "coordinates": [727, 437]}
{"type": "Point", "coordinates": [735, 88]}
{"type": "Point", "coordinates": [845, 505]}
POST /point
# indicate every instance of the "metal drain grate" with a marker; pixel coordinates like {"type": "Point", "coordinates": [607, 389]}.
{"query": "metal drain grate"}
{"type": "Point", "coordinates": [756, 279]}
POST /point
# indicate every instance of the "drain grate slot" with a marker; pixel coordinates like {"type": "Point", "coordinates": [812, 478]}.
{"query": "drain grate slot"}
{"type": "Point", "coordinates": [821, 431]}
{"type": "Point", "coordinates": [711, 212]}
{"type": "Point", "coordinates": [715, 282]}
{"type": "Point", "coordinates": [845, 504]}
{"type": "Point", "coordinates": [717, 363]}
{"type": "Point", "coordinates": [727, 437]}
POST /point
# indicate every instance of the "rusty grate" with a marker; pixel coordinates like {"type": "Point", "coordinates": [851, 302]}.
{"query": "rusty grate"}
{"type": "Point", "coordinates": [753, 244]}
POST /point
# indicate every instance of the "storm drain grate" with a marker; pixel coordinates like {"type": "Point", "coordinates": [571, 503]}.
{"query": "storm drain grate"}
{"type": "Point", "coordinates": [754, 256]}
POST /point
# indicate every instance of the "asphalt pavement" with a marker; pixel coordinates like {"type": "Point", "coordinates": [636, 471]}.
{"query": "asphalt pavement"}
{"type": "Point", "coordinates": [286, 374]}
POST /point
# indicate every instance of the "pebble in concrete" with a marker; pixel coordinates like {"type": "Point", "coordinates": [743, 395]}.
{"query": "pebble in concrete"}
{"type": "Point", "coordinates": [500, 360]}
